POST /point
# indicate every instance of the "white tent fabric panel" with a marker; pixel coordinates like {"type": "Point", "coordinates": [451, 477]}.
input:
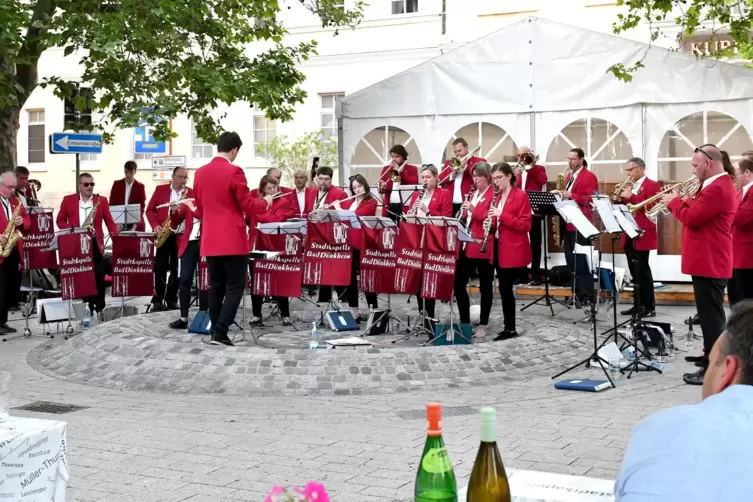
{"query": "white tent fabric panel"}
{"type": "Point", "coordinates": [541, 65]}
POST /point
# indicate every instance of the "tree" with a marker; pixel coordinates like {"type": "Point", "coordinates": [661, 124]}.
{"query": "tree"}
{"type": "Point", "coordinates": [289, 156]}
{"type": "Point", "coordinates": [153, 60]}
{"type": "Point", "coordinates": [732, 17]}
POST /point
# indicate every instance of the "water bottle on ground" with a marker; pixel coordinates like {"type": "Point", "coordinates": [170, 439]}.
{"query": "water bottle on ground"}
{"type": "Point", "coordinates": [671, 347]}
{"type": "Point", "coordinates": [314, 340]}
{"type": "Point", "coordinates": [689, 340]}
{"type": "Point", "coordinates": [87, 319]}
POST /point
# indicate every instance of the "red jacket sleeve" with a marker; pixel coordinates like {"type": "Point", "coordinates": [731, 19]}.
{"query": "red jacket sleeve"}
{"type": "Point", "coordinates": [446, 207]}
{"type": "Point", "coordinates": [26, 225]}
{"type": "Point", "coordinates": [151, 210]}
{"type": "Point", "coordinates": [112, 227]}
{"type": "Point", "coordinates": [410, 177]}
{"type": "Point", "coordinates": [62, 219]}
{"type": "Point", "coordinates": [248, 203]}
{"type": "Point", "coordinates": [590, 185]}
{"type": "Point", "coordinates": [744, 216]}
{"type": "Point", "coordinates": [540, 176]}
{"type": "Point", "coordinates": [695, 213]}
{"type": "Point", "coordinates": [177, 217]}
{"type": "Point", "coordinates": [521, 220]}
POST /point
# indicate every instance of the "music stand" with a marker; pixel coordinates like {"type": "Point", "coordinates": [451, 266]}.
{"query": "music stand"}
{"type": "Point", "coordinates": [542, 204]}
{"type": "Point", "coordinates": [573, 215]}
{"type": "Point", "coordinates": [54, 247]}
{"type": "Point", "coordinates": [402, 190]}
{"type": "Point", "coordinates": [130, 233]}
{"type": "Point", "coordinates": [126, 215]}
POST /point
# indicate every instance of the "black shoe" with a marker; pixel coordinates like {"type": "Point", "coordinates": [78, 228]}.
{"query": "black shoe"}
{"type": "Point", "coordinates": [286, 321]}
{"type": "Point", "coordinates": [7, 329]}
{"type": "Point", "coordinates": [220, 339]}
{"type": "Point", "coordinates": [257, 323]}
{"type": "Point", "coordinates": [172, 306]}
{"type": "Point", "coordinates": [628, 311]}
{"type": "Point", "coordinates": [695, 320]}
{"type": "Point", "coordinates": [694, 359]}
{"type": "Point", "coordinates": [535, 282]}
{"type": "Point", "coordinates": [179, 324]}
{"type": "Point", "coordinates": [506, 335]}
{"type": "Point", "coordinates": [694, 378]}
{"type": "Point", "coordinates": [648, 313]}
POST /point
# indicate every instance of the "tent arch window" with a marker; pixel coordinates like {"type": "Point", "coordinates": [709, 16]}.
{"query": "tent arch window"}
{"type": "Point", "coordinates": [682, 137]}
{"type": "Point", "coordinates": [606, 147]}
{"type": "Point", "coordinates": [373, 151]}
{"type": "Point", "coordinates": [496, 144]}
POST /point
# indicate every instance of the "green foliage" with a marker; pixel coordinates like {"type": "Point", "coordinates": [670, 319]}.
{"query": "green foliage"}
{"type": "Point", "coordinates": [732, 17]}
{"type": "Point", "coordinates": [290, 155]}
{"type": "Point", "coordinates": [156, 59]}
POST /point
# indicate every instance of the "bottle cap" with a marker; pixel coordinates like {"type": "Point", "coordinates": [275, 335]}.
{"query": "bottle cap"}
{"type": "Point", "coordinates": [434, 419]}
{"type": "Point", "coordinates": [488, 415]}
{"type": "Point", "coordinates": [488, 425]}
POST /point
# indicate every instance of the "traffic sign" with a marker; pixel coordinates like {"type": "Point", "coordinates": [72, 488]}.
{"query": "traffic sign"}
{"type": "Point", "coordinates": [171, 162]}
{"type": "Point", "coordinates": [66, 142]}
{"type": "Point", "coordinates": [144, 142]}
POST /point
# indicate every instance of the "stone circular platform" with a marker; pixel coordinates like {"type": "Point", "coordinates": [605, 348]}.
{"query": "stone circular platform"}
{"type": "Point", "coordinates": [143, 353]}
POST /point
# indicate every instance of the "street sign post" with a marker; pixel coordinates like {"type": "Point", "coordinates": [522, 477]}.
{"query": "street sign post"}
{"type": "Point", "coordinates": [162, 167]}
{"type": "Point", "coordinates": [68, 142]}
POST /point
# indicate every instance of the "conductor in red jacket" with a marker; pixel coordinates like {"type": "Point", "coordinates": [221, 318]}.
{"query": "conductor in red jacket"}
{"type": "Point", "coordinates": [580, 186]}
{"type": "Point", "coordinates": [741, 286]}
{"type": "Point", "coordinates": [74, 210]}
{"type": "Point", "coordinates": [9, 266]}
{"type": "Point", "coordinates": [222, 199]}
{"type": "Point", "coordinates": [707, 244]}
{"type": "Point", "coordinates": [393, 196]}
{"type": "Point", "coordinates": [531, 177]}
{"type": "Point", "coordinates": [637, 250]}
{"type": "Point", "coordinates": [129, 191]}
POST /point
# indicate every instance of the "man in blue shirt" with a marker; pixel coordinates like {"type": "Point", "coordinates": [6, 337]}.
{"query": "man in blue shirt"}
{"type": "Point", "coordinates": [700, 452]}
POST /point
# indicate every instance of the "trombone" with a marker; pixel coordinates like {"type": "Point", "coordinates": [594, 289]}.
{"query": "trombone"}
{"type": "Point", "coordinates": [395, 171]}
{"type": "Point", "coordinates": [457, 164]}
{"type": "Point", "coordinates": [653, 207]}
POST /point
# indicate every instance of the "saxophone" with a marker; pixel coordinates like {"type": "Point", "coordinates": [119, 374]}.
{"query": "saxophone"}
{"type": "Point", "coordinates": [489, 218]}
{"type": "Point", "coordinates": [12, 236]}
{"type": "Point", "coordinates": [89, 221]}
{"type": "Point", "coordinates": [166, 230]}
{"type": "Point", "coordinates": [560, 186]}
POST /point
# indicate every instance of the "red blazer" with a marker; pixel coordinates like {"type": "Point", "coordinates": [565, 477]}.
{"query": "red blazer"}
{"type": "Point", "coordinates": [742, 231]}
{"type": "Point", "coordinates": [707, 229]}
{"type": "Point", "coordinates": [222, 200]}
{"type": "Point", "coordinates": [514, 248]}
{"type": "Point", "coordinates": [138, 196]}
{"type": "Point", "coordinates": [535, 179]}
{"type": "Point", "coordinates": [333, 194]}
{"type": "Point", "coordinates": [367, 207]}
{"type": "Point", "coordinates": [26, 225]}
{"type": "Point", "coordinates": [161, 196]}
{"type": "Point", "coordinates": [68, 217]}
{"type": "Point", "coordinates": [582, 191]}
{"type": "Point", "coordinates": [466, 184]}
{"type": "Point", "coordinates": [409, 177]}
{"type": "Point", "coordinates": [476, 227]}
{"type": "Point", "coordinates": [300, 212]}
{"type": "Point", "coordinates": [280, 210]}
{"type": "Point", "coordinates": [440, 203]}
{"type": "Point", "coordinates": [649, 240]}
{"type": "Point", "coordinates": [184, 214]}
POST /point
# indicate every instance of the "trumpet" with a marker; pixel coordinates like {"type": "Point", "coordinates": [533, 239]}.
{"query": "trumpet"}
{"type": "Point", "coordinates": [616, 197]}
{"type": "Point", "coordinates": [653, 207]}
{"type": "Point", "coordinates": [526, 160]}
{"type": "Point", "coordinates": [458, 164]}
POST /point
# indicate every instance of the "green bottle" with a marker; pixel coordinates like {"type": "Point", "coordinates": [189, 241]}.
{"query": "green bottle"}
{"type": "Point", "coordinates": [435, 480]}
{"type": "Point", "coordinates": [488, 481]}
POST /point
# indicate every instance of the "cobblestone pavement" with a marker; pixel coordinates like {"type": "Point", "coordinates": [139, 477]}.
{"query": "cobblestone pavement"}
{"type": "Point", "coordinates": [154, 446]}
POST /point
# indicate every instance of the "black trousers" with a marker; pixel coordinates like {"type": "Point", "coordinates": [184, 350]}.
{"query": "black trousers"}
{"type": "Point", "coordinates": [463, 271]}
{"type": "Point", "coordinates": [257, 301]}
{"type": "Point", "coordinates": [227, 278]}
{"type": "Point", "coordinates": [395, 211]}
{"type": "Point", "coordinates": [166, 260]}
{"type": "Point", "coordinates": [709, 299]}
{"type": "Point", "coordinates": [506, 278]}
{"type": "Point", "coordinates": [535, 235]}
{"type": "Point", "coordinates": [371, 298]}
{"type": "Point", "coordinates": [740, 287]}
{"type": "Point", "coordinates": [97, 302]}
{"type": "Point", "coordinates": [189, 262]}
{"type": "Point", "coordinates": [640, 270]}
{"type": "Point", "coordinates": [584, 283]}
{"type": "Point", "coordinates": [9, 283]}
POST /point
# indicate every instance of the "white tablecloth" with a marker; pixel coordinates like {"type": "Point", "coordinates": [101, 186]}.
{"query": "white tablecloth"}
{"type": "Point", "coordinates": [533, 486]}
{"type": "Point", "coordinates": [33, 464]}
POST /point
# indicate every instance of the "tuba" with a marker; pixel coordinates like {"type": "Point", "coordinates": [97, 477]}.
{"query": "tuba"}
{"type": "Point", "coordinates": [653, 207]}
{"type": "Point", "coordinates": [12, 235]}
{"type": "Point", "coordinates": [167, 230]}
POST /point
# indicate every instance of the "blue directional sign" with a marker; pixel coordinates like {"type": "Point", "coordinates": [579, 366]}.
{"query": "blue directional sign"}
{"type": "Point", "coordinates": [143, 141]}
{"type": "Point", "coordinates": [67, 142]}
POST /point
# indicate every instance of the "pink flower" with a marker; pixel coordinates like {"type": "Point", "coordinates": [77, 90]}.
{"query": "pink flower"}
{"type": "Point", "coordinates": [274, 495]}
{"type": "Point", "coordinates": [315, 492]}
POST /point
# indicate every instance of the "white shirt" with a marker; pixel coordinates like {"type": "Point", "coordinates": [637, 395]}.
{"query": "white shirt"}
{"type": "Point", "coordinates": [195, 229]}
{"type": "Point", "coordinates": [637, 186]}
{"type": "Point", "coordinates": [23, 199]}
{"type": "Point", "coordinates": [84, 208]}
{"type": "Point", "coordinates": [457, 193]}
{"type": "Point", "coordinates": [709, 181]}
{"type": "Point", "coordinates": [129, 186]}
{"type": "Point", "coordinates": [395, 196]}
{"type": "Point", "coordinates": [746, 188]}
{"type": "Point", "coordinates": [301, 194]}
{"type": "Point", "coordinates": [174, 194]}
{"type": "Point", "coordinates": [475, 201]}
{"type": "Point", "coordinates": [6, 208]}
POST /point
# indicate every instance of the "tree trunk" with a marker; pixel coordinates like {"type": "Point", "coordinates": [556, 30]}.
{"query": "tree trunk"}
{"type": "Point", "coordinates": [9, 124]}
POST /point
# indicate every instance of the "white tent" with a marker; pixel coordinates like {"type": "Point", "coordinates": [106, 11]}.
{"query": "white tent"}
{"type": "Point", "coordinates": [533, 80]}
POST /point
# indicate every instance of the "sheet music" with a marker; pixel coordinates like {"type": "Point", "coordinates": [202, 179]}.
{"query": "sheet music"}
{"type": "Point", "coordinates": [126, 214]}
{"type": "Point", "coordinates": [604, 208]}
{"type": "Point", "coordinates": [572, 214]}
{"type": "Point", "coordinates": [283, 228]}
{"type": "Point", "coordinates": [625, 219]}
{"type": "Point", "coordinates": [409, 189]}
{"type": "Point", "coordinates": [335, 215]}
{"type": "Point", "coordinates": [441, 221]}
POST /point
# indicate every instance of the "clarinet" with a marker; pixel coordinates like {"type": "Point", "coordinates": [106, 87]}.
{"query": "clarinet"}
{"type": "Point", "coordinates": [467, 198]}
{"type": "Point", "coordinates": [414, 207]}
{"type": "Point", "coordinates": [488, 220]}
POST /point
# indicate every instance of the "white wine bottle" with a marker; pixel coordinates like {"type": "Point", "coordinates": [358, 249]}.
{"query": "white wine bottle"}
{"type": "Point", "coordinates": [488, 481]}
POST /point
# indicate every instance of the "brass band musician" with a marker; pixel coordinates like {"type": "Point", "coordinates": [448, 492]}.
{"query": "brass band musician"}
{"type": "Point", "coordinates": [397, 172]}
{"type": "Point", "coordinates": [13, 218]}
{"type": "Point", "coordinates": [457, 173]}
{"type": "Point", "coordinates": [531, 177]}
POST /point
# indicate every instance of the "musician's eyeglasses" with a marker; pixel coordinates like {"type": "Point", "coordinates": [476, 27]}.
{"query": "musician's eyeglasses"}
{"type": "Point", "coordinates": [701, 150]}
{"type": "Point", "coordinates": [87, 185]}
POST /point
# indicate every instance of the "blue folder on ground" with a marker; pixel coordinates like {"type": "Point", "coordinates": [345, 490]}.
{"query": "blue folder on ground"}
{"type": "Point", "coordinates": [583, 384]}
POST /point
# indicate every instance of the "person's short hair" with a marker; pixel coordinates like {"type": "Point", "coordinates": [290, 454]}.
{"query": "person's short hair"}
{"type": "Point", "coordinates": [745, 165]}
{"type": "Point", "coordinates": [482, 169]}
{"type": "Point", "coordinates": [175, 170]}
{"type": "Point", "coordinates": [131, 165]}
{"type": "Point", "coordinates": [431, 168]}
{"type": "Point", "coordinates": [748, 154]}
{"type": "Point", "coordinates": [273, 169]}
{"type": "Point", "coordinates": [637, 161]}
{"type": "Point", "coordinates": [581, 155]}
{"type": "Point", "coordinates": [738, 339]}
{"type": "Point", "coordinates": [399, 150]}
{"type": "Point", "coordinates": [505, 169]}
{"type": "Point", "coordinates": [266, 180]}
{"type": "Point", "coordinates": [460, 141]}
{"type": "Point", "coordinates": [5, 175]}
{"type": "Point", "coordinates": [228, 142]}
{"type": "Point", "coordinates": [301, 171]}
{"type": "Point", "coordinates": [711, 152]}
{"type": "Point", "coordinates": [21, 170]}
{"type": "Point", "coordinates": [360, 178]}
{"type": "Point", "coordinates": [85, 175]}
{"type": "Point", "coordinates": [325, 171]}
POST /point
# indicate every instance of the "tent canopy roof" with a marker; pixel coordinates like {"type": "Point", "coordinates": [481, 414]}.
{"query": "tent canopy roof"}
{"type": "Point", "coordinates": [537, 65]}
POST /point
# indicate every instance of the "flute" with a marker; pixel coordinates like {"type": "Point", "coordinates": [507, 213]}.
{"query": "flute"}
{"type": "Point", "coordinates": [332, 204]}
{"type": "Point", "coordinates": [280, 194]}
{"type": "Point", "coordinates": [175, 203]}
